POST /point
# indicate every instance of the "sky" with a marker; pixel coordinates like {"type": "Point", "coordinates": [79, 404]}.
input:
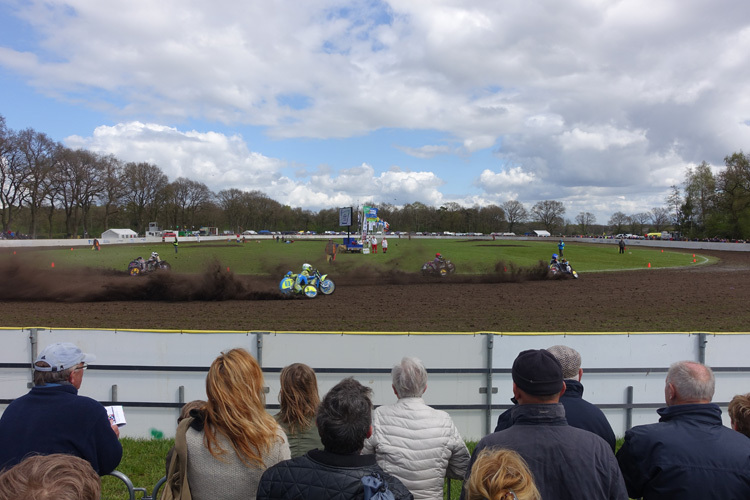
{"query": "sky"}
{"type": "Point", "coordinates": [599, 104]}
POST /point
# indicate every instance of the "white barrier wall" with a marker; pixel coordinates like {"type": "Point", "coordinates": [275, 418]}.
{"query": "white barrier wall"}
{"type": "Point", "coordinates": [135, 362]}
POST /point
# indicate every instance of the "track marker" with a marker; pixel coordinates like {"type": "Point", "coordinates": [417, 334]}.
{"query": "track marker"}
{"type": "Point", "coordinates": [53, 264]}
{"type": "Point", "coordinates": [649, 265]}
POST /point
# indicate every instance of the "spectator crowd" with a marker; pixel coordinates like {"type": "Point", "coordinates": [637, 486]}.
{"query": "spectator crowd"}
{"type": "Point", "coordinates": [552, 444]}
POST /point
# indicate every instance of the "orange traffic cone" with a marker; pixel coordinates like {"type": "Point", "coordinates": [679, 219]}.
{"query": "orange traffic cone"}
{"type": "Point", "coordinates": [649, 265]}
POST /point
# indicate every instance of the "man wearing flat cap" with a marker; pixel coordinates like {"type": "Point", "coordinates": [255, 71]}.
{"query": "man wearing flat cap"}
{"type": "Point", "coordinates": [53, 418]}
{"type": "Point", "coordinates": [566, 462]}
{"type": "Point", "coordinates": [578, 412]}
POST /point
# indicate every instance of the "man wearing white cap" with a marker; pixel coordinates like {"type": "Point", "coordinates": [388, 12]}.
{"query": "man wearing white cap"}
{"type": "Point", "coordinates": [53, 418]}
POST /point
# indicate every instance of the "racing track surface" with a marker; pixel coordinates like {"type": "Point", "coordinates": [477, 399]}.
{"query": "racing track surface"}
{"type": "Point", "coordinates": [700, 298]}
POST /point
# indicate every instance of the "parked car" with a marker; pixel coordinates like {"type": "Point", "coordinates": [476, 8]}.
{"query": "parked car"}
{"type": "Point", "coordinates": [249, 232]}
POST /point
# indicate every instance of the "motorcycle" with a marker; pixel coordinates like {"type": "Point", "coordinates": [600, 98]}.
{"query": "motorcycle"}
{"type": "Point", "coordinates": [140, 266]}
{"type": "Point", "coordinates": [562, 268]}
{"type": "Point", "coordinates": [317, 283]}
{"type": "Point", "coordinates": [441, 268]}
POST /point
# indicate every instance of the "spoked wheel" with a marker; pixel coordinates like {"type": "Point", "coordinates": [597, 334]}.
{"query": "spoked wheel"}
{"type": "Point", "coordinates": [134, 271]}
{"type": "Point", "coordinates": [311, 291]}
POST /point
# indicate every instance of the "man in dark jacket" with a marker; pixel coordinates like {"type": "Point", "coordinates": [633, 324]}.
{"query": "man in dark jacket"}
{"type": "Point", "coordinates": [567, 463]}
{"type": "Point", "coordinates": [688, 454]}
{"type": "Point", "coordinates": [338, 471]}
{"type": "Point", "coordinates": [53, 418]}
{"type": "Point", "coordinates": [578, 412]}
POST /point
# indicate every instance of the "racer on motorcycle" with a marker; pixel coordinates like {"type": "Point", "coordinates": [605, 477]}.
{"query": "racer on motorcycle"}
{"type": "Point", "coordinates": [554, 259]}
{"type": "Point", "coordinates": [439, 259]}
{"type": "Point", "coordinates": [301, 279]}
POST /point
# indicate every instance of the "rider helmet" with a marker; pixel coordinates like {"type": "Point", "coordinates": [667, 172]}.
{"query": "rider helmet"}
{"type": "Point", "coordinates": [438, 255]}
{"type": "Point", "coordinates": [306, 267]}
{"type": "Point", "coordinates": [554, 256]}
{"type": "Point", "coordinates": [154, 254]}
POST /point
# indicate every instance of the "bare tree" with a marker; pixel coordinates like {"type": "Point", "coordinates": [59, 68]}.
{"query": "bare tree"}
{"type": "Point", "coordinates": [515, 212]}
{"type": "Point", "coordinates": [549, 213]}
{"type": "Point", "coordinates": [585, 220]}
{"type": "Point", "coordinates": [12, 191]}
{"type": "Point", "coordinates": [38, 157]}
{"type": "Point", "coordinates": [637, 221]}
{"type": "Point", "coordinates": [659, 218]}
{"type": "Point", "coordinates": [113, 186]}
{"type": "Point", "coordinates": [146, 185]}
{"type": "Point", "coordinates": [618, 221]}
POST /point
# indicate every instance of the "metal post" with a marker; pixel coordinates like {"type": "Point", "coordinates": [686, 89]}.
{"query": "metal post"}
{"type": "Point", "coordinates": [181, 394]}
{"type": "Point", "coordinates": [114, 393]}
{"type": "Point", "coordinates": [34, 343]}
{"type": "Point", "coordinates": [259, 346]}
{"type": "Point", "coordinates": [488, 415]}
{"type": "Point", "coordinates": [629, 407]}
{"type": "Point", "coordinates": [702, 348]}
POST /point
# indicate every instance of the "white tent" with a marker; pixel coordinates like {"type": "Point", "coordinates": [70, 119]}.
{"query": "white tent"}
{"type": "Point", "coordinates": [119, 234]}
{"type": "Point", "coordinates": [542, 233]}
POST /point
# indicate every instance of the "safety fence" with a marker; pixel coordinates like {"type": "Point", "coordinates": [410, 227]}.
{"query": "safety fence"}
{"type": "Point", "coordinates": [153, 373]}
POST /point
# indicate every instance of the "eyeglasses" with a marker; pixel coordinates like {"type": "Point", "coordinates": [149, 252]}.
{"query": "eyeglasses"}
{"type": "Point", "coordinates": [82, 367]}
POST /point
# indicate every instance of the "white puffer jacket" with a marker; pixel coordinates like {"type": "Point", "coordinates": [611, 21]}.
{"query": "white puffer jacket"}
{"type": "Point", "coordinates": [419, 445]}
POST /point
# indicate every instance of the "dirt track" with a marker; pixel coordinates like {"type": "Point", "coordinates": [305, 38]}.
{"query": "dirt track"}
{"type": "Point", "coordinates": [706, 298]}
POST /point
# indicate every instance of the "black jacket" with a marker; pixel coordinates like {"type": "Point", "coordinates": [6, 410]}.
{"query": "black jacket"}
{"type": "Point", "coordinates": [567, 463]}
{"type": "Point", "coordinates": [688, 455]}
{"type": "Point", "coordinates": [322, 475]}
{"type": "Point", "coordinates": [578, 412]}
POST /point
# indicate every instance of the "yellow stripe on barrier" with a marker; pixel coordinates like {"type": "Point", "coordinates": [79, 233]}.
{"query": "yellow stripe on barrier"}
{"type": "Point", "coordinates": [340, 332]}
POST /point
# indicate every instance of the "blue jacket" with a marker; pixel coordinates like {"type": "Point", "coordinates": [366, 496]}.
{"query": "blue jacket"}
{"type": "Point", "coordinates": [578, 412]}
{"type": "Point", "coordinates": [567, 463]}
{"type": "Point", "coordinates": [54, 419]}
{"type": "Point", "coordinates": [688, 455]}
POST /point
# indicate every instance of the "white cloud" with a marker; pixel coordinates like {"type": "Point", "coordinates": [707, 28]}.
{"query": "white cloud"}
{"type": "Point", "coordinates": [589, 96]}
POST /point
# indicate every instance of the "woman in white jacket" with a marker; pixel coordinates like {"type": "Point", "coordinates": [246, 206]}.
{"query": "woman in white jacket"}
{"type": "Point", "coordinates": [414, 442]}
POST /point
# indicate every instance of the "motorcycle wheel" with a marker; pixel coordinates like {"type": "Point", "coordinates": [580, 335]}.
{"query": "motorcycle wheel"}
{"type": "Point", "coordinates": [286, 285]}
{"type": "Point", "coordinates": [451, 267]}
{"type": "Point", "coordinates": [164, 265]}
{"type": "Point", "coordinates": [327, 287]}
{"type": "Point", "coordinates": [443, 272]}
{"type": "Point", "coordinates": [575, 274]}
{"type": "Point", "coordinates": [311, 291]}
{"type": "Point", "coordinates": [134, 271]}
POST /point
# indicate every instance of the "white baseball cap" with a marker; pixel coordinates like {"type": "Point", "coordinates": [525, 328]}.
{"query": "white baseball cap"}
{"type": "Point", "coordinates": [61, 356]}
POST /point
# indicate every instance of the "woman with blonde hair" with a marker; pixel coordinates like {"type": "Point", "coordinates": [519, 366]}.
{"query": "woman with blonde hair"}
{"type": "Point", "coordinates": [299, 400]}
{"type": "Point", "coordinates": [500, 474]}
{"type": "Point", "coordinates": [223, 448]}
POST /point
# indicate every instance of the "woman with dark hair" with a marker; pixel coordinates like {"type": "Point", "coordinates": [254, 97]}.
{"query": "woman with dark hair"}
{"type": "Point", "coordinates": [224, 447]}
{"type": "Point", "coordinates": [299, 402]}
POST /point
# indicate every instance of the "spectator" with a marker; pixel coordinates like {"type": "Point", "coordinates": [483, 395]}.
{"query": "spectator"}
{"type": "Point", "coordinates": [222, 449]}
{"type": "Point", "coordinates": [566, 462]}
{"type": "Point", "coordinates": [338, 471]}
{"type": "Point", "coordinates": [374, 244]}
{"type": "Point", "coordinates": [688, 454]}
{"type": "Point", "coordinates": [53, 418]}
{"type": "Point", "coordinates": [578, 412]}
{"type": "Point", "coordinates": [500, 475]}
{"type": "Point", "coordinates": [739, 413]}
{"type": "Point", "coordinates": [561, 247]}
{"type": "Point", "coordinates": [175, 244]}
{"type": "Point", "coordinates": [621, 245]}
{"type": "Point", "coordinates": [58, 476]}
{"type": "Point", "coordinates": [330, 250]}
{"type": "Point", "coordinates": [417, 444]}
{"type": "Point", "coordinates": [384, 244]}
{"type": "Point", "coordinates": [299, 401]}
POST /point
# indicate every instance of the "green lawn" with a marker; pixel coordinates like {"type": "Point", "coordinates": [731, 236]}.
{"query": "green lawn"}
{"type": "Point", "coordinates": [267, 256]}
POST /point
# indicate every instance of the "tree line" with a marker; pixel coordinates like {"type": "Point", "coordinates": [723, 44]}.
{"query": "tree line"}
{"type": "Point", "coordinates": [47, 189]}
